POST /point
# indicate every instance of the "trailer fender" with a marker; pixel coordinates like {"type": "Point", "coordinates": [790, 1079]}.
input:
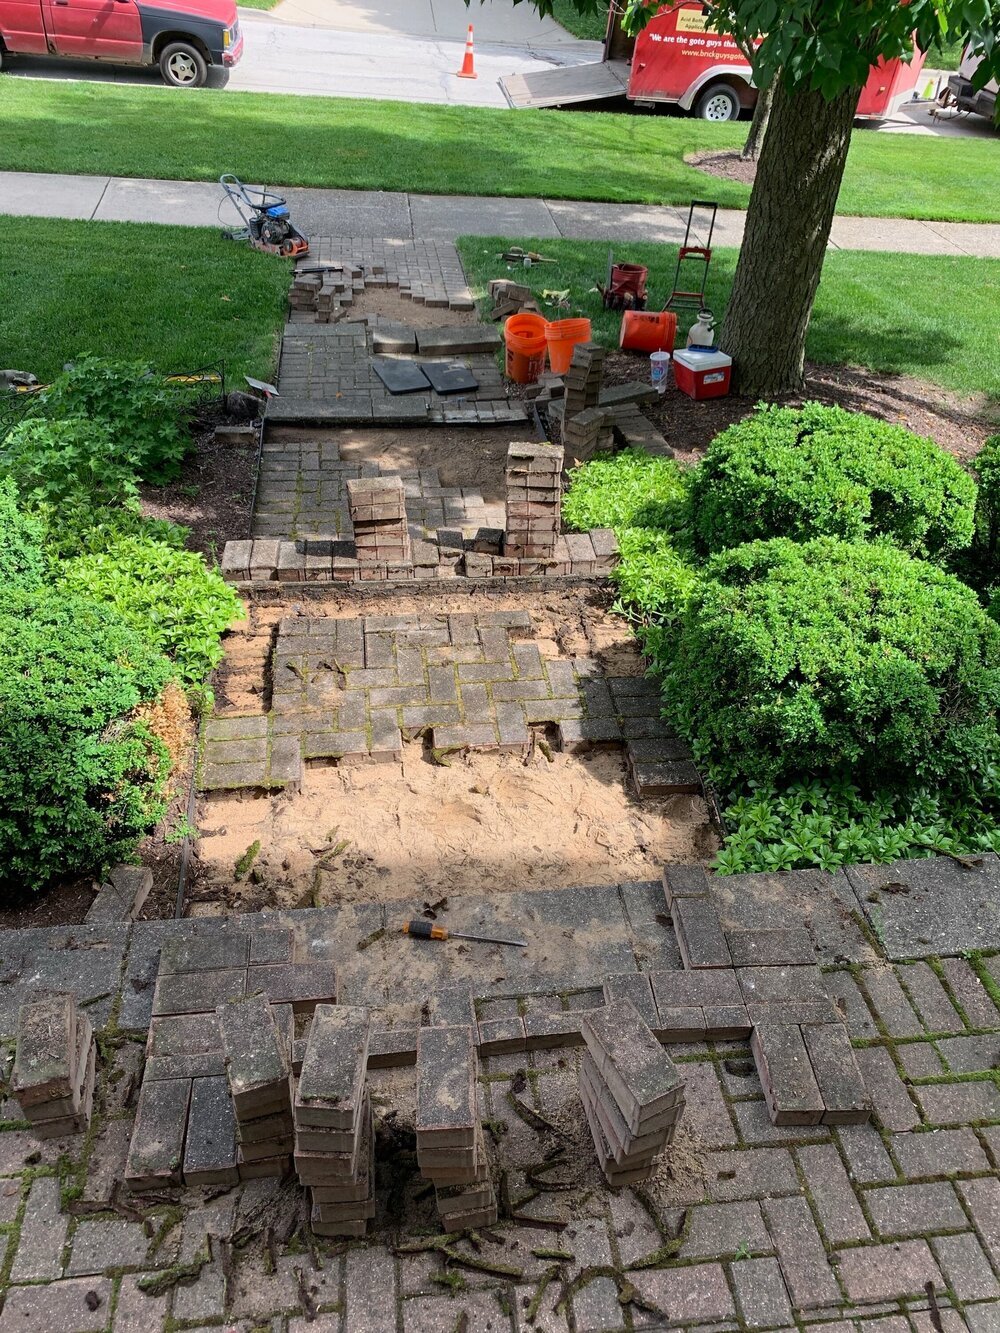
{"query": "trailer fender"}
{"type": "Point", "coordinates": [735, 75]}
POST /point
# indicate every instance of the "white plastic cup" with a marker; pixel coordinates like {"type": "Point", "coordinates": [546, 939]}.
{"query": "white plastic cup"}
{"type": "Point", "coordinates": [659, 368]}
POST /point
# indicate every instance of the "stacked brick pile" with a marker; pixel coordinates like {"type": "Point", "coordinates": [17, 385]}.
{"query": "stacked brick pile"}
{"type": "Point", "coordinates": [450, 1148]}
{"type": "Point", "coordinates": [377, 507]}
{"type": "Point", "coordinates": [320, 298]}
{"type": "Point", "coordinates": [586, 427]}
{"type": "Point", "coordinates": [631, 1091]}
{"type": "Point", "coordinates": [334, 1135]}
{"type": "Point", "coordinates": [54, 1065]}
{"type": "Point", "coordinates": [259, 1072]}
{"type": "Point", "coordinates": [534, 499]}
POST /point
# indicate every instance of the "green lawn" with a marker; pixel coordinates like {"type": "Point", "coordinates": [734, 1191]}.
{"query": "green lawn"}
{"type": "Point", "coordinates": [51, 125]}
{"type": "Point", "coordinates": [180, 297]}
{"type": "Point", "coordinates": [591, 27]}
{"type": "Point", "coordinates": [887, 312]}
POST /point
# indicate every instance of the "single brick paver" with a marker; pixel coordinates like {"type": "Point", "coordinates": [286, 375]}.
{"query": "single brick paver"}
{"type": "Point", "coordinates": [884, 1272]}
{"type": "Point", "coordinates": [972, 996]}
{"type": "Point", "coordinates": [761, 1293]}
{"type": "Point", "coordinates": [894, 1107]}
{"type": "Point", "coordinates": [941, 1152]}
{"type": "Point", "coordinates": [839, 1212]}
{"type": "Point", "coordinates": [915, 1210]}
{"type": "Point", "coordinates": [803, 1258]}
{"type": "Point", "coordinates": [43, 1234]}
{"type": "Point", "coordinates": [58, 1307]}
{"type": "Point", "coordinates": [966, 1268]}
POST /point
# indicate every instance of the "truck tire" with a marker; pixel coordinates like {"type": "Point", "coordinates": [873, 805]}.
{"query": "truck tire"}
{"type": "Point", "coordinates": [720, 102]}
{"type": "Point", "coordinates": [183, 65]}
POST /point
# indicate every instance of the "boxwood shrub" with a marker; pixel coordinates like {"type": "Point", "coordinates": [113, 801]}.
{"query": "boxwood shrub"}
{"type": "Point", "coordinates": [818, 657]}
{"type": "Point", "coordinates": [80, 780]}
{"type": "Point", "coordinates": [818, 471]}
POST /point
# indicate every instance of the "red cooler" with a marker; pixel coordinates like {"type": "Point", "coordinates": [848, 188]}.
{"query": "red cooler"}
{"type": "Point", "coordinates": [703, 372]}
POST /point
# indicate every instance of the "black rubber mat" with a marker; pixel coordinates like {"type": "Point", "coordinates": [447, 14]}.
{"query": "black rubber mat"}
{"type": "Point", "coordinates": [400, 376]}
{"type": "Point", "coordinates": [449, 379]}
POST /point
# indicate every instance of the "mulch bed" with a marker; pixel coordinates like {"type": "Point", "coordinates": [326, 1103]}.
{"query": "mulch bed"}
{"type": "Point", "coordinates": [726, 164]}
{"type": "Point", "coordinates": [958, 423]}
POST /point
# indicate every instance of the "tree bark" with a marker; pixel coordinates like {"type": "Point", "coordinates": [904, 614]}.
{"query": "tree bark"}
{"type": "Point", "coordinates": [788, 225]}
{"type": "Point", "coordinates": [758, 126]}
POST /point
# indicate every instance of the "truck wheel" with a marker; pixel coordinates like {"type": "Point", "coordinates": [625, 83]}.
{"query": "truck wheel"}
{"type": "Point", "coordinates": [183, 65]}
{"type": "Point", "coordinates": [718, 103]}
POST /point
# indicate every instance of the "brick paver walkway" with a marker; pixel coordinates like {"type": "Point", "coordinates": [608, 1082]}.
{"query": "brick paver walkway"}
{"type": "Point", "coordinates": [350, 689]}
{"type": "Point", "coordinates": [751, 1226]}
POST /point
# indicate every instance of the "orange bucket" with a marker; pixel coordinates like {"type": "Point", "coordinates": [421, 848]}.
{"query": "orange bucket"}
{"type": "Point", "coordinates": [524, 338]}
{"type": "Point", "coordinates": [563, 335]}
{"type": "Point", "coordinates": [648, 331]}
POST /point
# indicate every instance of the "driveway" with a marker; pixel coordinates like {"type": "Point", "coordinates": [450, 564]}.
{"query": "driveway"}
{"type": "Point", "coordinates": [496, 21]}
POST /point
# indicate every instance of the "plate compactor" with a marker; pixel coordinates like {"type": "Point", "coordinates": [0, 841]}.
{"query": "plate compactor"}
{"type": "Point", "coordinates": [267, 223]}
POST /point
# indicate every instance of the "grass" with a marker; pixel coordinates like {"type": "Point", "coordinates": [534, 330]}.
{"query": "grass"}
{"type": "Point", "coordinates": [54, 126]}
{"type": "Point", "coordinates": [589, 27]}
{"type": "Point", "coordinates": [180, 297]}
{"type": "Point", "coordinates": [886, 312]}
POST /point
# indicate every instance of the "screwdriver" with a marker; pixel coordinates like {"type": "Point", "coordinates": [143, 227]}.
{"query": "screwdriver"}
{"type": "Point", "coordinates": [426, 930]}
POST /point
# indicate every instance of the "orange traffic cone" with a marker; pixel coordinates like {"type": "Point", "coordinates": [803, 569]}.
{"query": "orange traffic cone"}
{"type": "Point", "coordinates": [468, 70]}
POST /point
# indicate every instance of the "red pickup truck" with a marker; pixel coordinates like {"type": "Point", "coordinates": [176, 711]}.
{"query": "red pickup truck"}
{"type": "Point", "coordinates": [182, 37]}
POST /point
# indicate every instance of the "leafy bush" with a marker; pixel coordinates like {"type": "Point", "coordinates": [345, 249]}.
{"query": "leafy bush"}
{"type": "Point", "coordinates": [987, 543]}
{"type": "Point", "coordinates": [144, 417]}
{"type": "Point", "coordinates": [66, 472]}
{"type": "Point", "coordinates": [816, 825]}
{"type": "Point", "coordinates": [827, 657]}
{"type": "Point", "coordinates": [644, 500]}
{"type": "Point", "coordinates": [22, 564]}
{"type": "Point", "coordinates": [169, 596]}
{"type": "Point", "coordinates": [80, 780]}
{"type": "Point", "coordinates": [819, 471]}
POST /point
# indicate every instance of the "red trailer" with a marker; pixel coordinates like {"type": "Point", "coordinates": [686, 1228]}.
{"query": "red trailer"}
{"type": "Point", "coordinates": [678, 59]}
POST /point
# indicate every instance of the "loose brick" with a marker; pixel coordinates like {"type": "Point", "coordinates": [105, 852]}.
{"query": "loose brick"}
{"type": "Point", "coordinates": [45, 1059]}
{"type": "Point", "coordinates": [790, 1089]}
{"type": "Point", "coordinates": [256, 1057]}
{"type": "Point", "coordinates": [700, 936]}
{"type": "Point", "coordinates": [501, 1036]}
{"type": "Point", "coordinates": [640, 1075]}
{"type": "Point", "coordinates": [156, 1152]}
{"type": "Point", "coordinates": [210, 1148]}
{"type": "Point", "coordinates": [196, 992]}
{"type": "Point", "coordinates": [841, 1087]}
{"type": "Point", "coordinates": [684, 881]}
{"type": "Point", "coordinates": [302, 985]}
{"type": "Point", "coordinates": [447, 1115]}
{"type": "Point", "coordinates": [634, 987]}
{"type": "Point", "coordinates": [331, 1084]}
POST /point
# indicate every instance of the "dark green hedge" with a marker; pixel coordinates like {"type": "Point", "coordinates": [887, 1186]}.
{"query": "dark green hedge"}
{"type": "Point", "coordinates": [819, 471]}
{"type": "Point", "coordinates": [824, 656]}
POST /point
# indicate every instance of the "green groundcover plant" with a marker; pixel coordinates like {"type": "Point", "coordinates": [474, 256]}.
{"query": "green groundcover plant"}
{"type": "Point", "coordinates": [167, 595]}
{"type": "Point", "coordinates": [144, 417]}
{"type": "Point", "coordinates": [822, 825]}
{"type": "Point", "coordinates": [809, 658]}
{"type": "Point", "coordinates": [819, 471]}
{"type": "Point", "coordinates": [80, 780]}
{"type": "Point", "coordinates": [22, 564]}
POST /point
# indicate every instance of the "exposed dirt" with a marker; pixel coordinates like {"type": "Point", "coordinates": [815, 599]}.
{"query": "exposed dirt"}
{"type": "Point", "coordinates": [728, 165]}
{"type": "Point", "coordinates": [212, 496]}
{"type": "Point", "coordinates": [385, 303]}
{"type": "Point", "coordinates": [464, 456]}
{"type": "Point", "coordinates": [958, 422]}
{"type": "Point", "coordinates": [487, 824]}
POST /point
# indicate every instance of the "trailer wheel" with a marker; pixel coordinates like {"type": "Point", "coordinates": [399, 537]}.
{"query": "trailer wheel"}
{"type": "Point", "coordinates": [183, 65]}
{"type": "Point", "coordinates": [720, 102]}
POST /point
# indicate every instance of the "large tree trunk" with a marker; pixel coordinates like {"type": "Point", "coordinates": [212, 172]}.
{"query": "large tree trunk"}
{"type": "Point", "coordinates": [758, 126]}
{"type": "Point", "coordinates": [788, 225]}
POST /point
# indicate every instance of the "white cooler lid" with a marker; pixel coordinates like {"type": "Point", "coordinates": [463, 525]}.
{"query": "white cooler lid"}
{"type": "Point", "coordinates": [695, 359]}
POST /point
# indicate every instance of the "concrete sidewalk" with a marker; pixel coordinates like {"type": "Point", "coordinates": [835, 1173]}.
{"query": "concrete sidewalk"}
{"type": "Point", "coordinates": [367, 213]}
